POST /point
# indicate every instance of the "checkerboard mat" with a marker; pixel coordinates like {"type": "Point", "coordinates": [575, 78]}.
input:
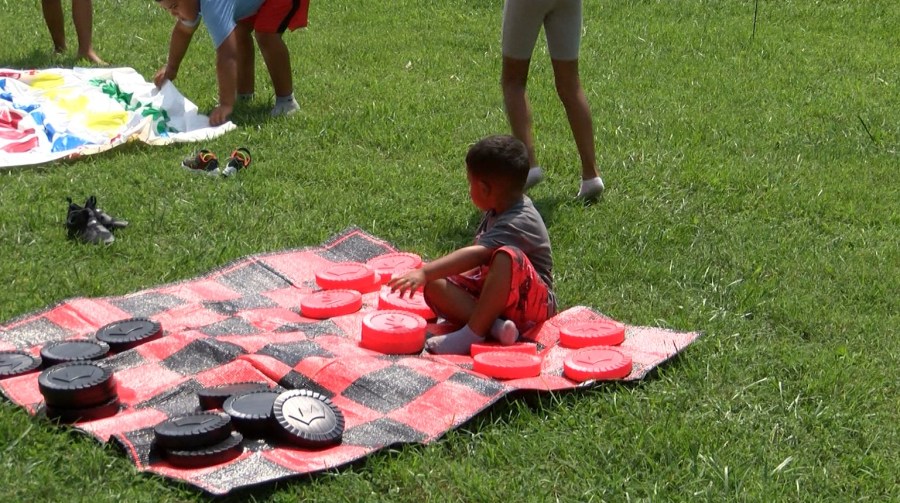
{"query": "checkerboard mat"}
{"type": "Point", "coordinates": [242, 322]}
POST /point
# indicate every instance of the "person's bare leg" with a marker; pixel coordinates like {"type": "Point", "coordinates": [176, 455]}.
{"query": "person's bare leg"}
{"type": "Point", "coordinates": [246, 60]}
{"type": "Point", "coordinates": [53, 17]}
{"type": "Point", "coordinates": [494, 294]}
{"type": "Point", "coordinates": [450, 301]}
{"type": "Point", "coordinates": [568, 87]}
{"type": "Point", "coordinates": [490, 305]}
{"type": "Point", "coordinates": [83, 18]}
{"type": "Point", "coordinates": [278, 62]}
{"type": "Point", "coordinates": [513, 81]}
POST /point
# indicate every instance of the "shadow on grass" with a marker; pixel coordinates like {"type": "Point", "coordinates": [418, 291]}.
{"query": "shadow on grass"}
{"type": "Point", "coordinates": [253, 113]}
{"type": "Point", "coordinates": [39, 59]}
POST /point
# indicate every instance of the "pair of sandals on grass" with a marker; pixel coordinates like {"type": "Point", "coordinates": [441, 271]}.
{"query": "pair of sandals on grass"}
{"type": "Point", "coordinates": [206, 162]}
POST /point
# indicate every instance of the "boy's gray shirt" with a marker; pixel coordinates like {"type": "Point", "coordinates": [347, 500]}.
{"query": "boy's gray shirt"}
{"type": "Point", "coordinates": [520, 226]}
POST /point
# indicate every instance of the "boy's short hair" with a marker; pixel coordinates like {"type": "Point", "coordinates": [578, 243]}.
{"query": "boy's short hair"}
{"type": "Point", "coordinates": [499, 157]}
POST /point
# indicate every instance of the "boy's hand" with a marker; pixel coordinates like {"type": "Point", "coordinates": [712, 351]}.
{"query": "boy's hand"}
{"type": "Point", "coordinates": [409, 282]}
{"type": "Point", "coordinates": [219, 115]}
{"type": "Point", "coordinates": [163, 75]}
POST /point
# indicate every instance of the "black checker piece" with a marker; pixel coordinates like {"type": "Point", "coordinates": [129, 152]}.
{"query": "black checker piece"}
{"type": "Point", "coordinates": [73, 415]}
{"type": "Point", "coordinates": [126, 334]}
{"type": "Point", "coordinates": [307, 419]}
{"type": "Point", "coordinates": [58, 352]}
{"type": "Point", "coordinates": [76, 385]}
{"type": "Point", "coordinates": [16, 363]}
{"type": "Point", "coordinates": [214, 397]}
{"type": "Point", "coordinates": [251, 413]}
{"type": "Point", "coordinates": [221, 452]}
{"type": "Point", "coordinates": [193, 431]}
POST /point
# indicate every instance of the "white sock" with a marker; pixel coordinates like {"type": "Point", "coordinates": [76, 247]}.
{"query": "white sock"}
{"type": "Point", "coordinates": [505, 332]}
{"type": "Point", "coordinates": [591, 189]}
{"type": "Point", "coordinates": [454, 343]}
{"type": "Point", "coordinates": [535, 175]}
{"type": "Point", "coordinates": [284, 99]}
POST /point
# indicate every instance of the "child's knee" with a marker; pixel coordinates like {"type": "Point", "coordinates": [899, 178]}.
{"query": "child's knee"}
{"type": "Point", "coordinates": [433, 290]}
{"type": "Point", "coordinates": [501, 259]}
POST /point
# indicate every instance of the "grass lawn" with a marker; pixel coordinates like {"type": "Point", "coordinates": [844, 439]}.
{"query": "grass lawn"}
{"type": "Point", "coordinates": [752, 178]}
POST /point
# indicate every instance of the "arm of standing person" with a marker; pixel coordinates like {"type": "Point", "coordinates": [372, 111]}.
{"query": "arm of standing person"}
{"type": "Point", "coordinates": [456, 262]}
{"type": "Point", "coordinates": [178, 46]}
{"type": "Point", "coordinates": [226, 73]}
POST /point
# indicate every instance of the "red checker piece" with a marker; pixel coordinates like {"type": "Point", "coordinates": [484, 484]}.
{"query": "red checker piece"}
{"type": "Point", "coordinates": [507, 364]}
{"type": "Point", "coordinates": [390, 264]}
{"type": "Point", "coordinates": [522, 347]}
{"type": "Point", "coordinates": [584, 334]}
{"type": "Point", "coordinates": [347, 276]}
{"type": "Point", "coordinates": [597, 363]}
{"type": "Point", "coordinates": [393, 332]}
{"type": "Point", "coordinates": [330, 303]}
{"type": "Point", "coordinates": [414, 303]}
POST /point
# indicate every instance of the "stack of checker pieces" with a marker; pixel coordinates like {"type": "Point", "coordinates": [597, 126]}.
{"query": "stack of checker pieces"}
{"type": "Point", "coordinates": [75, 388]}
{"type": "Point", "coordinates": [229, 413]}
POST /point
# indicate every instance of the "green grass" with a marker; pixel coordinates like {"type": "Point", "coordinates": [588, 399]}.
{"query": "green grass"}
{"type": "Point", "coordinates": [753, 195]}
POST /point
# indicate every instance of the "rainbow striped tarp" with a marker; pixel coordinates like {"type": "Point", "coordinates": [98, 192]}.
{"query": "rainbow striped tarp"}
{"type": "Point", "coordinates": [61, 113]}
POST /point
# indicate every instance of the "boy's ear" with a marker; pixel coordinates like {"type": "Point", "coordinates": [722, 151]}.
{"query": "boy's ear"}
{"type": "Point", "coordinates": [484, 186]}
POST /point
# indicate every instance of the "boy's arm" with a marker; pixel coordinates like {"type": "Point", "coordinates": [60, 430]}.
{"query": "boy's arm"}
{"type": "Point", "coordinates": [456, 262]}
{"type": "Point", "coordinates": [178, 46]}
{"type": "Point", "coordinates": [226, 74]}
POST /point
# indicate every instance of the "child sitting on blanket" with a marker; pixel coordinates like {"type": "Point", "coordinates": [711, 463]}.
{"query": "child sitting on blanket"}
{"type": "Point", "coordinates": [82, 17]}
{"type": "Point", "coordinates": [230, 24]}
{"type": "Point", "coordinates": [501, 285]}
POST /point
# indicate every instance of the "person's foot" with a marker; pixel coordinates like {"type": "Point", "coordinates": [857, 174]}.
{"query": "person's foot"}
{"type": "Point", "coordinates": [285, 108]}
{"type": "Point", "coordinates": [454, 343]}
{"type": "Point", "coordinates": [591, 189]}
{"type": "Point", "coordinates": [91, 56]}
{"type": "Point", "coordinates": [535, 176]}
{"type": "Point", "coordinates": [505, 332]}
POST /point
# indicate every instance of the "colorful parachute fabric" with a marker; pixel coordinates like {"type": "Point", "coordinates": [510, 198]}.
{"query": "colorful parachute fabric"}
{"type": "Point", "coordinates": [63, 113]}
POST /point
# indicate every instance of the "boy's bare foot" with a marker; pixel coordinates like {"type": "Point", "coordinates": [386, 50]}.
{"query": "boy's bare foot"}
{"type": "Point", "coordinates": [92, 57]}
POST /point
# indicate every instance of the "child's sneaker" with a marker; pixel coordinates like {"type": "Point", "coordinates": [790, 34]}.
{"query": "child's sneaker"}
{"type": "Point", "coordinates": [535, 176]}
{"type": "Point", "coordinates": [286, 108]}
{"type": "Point", "coordinates": [239, 160]}
{"type": "Point", "coordinates": [591, 190]}
{"type": "Point", "coordinates": [202, 161]}
{"type": "Point", "coordinates": [106, 220]}
{"type": "Point", "coordinates": [82, 223]}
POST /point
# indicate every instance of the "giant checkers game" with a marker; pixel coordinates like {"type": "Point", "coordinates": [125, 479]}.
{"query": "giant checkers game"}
{"type": "Point", "coordinates": [245, 375]}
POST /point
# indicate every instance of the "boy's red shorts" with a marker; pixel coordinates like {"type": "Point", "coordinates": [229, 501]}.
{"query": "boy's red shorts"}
{"type": "Point", "coordinates": [529, 301]}
{"type": "Point", "coordinates": [277, 16]}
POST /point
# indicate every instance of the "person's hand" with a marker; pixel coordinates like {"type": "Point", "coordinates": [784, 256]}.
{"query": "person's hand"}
{"type": "Point", "coordinates": [162, 76]}
{"type": "Point", "coordinates": [219, 115]}
{"type": "Point", "coordinates": [408, 283]}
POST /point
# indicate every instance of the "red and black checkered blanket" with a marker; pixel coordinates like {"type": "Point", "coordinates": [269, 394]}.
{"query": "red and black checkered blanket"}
{"type": "Point", "coordinates": [242, 322]}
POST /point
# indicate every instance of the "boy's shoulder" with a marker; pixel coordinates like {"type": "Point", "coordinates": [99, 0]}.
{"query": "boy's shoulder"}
{"type": "Point", "coordinates": [522, 215]}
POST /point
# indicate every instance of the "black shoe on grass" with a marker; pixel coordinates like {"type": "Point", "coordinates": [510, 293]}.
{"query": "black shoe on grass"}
{"type": "Point", "coordinates": [83, 224]}
{"type": "Point", "coordinates": [110, 222]}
